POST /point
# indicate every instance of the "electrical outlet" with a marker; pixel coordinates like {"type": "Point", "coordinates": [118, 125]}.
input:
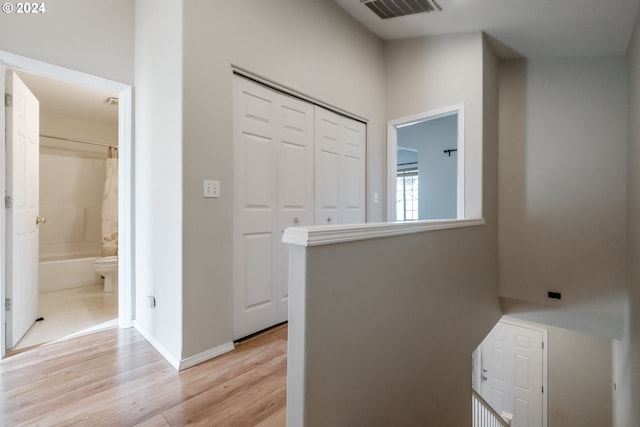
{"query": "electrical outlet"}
{"type": "Point", "coordinates": [211, 188]}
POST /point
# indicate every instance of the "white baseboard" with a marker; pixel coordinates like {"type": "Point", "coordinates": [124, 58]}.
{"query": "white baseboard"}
{"type": "Point", "coordinates": [206, 355]}
{"type": "Point", "coordinates": [180, 365]}
{"type": "Point", "coordinates": [175, 362]}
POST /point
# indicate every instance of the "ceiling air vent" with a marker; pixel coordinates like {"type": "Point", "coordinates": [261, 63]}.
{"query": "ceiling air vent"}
{"type": "Point", "coordinates": [386, 9]}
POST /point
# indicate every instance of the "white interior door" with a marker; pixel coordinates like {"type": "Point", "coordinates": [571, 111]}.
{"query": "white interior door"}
{"type": "Point", "coordinates": [23, 129]}
{"type": "Point", "coordinates": [273, 180]}
{"type": "Point", "coordinates": [512, 373]}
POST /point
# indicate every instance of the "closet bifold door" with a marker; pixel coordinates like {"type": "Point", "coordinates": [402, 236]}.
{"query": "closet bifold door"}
{"type": "Point", "coordinates": [273, 190]}
{"type": "Point", "coordinates": [340, 158]}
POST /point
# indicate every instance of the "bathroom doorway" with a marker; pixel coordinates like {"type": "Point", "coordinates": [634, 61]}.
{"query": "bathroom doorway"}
{"type": "Point", "coordinates": [78, 129]}
{"type": "Point", "coordinates": [72, 298]}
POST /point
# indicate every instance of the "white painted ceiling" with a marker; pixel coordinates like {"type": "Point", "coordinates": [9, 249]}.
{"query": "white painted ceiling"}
{"type": "Point", "coordinates": [519, 28]}
{"type": "Point", "coordinates": [70, 99]}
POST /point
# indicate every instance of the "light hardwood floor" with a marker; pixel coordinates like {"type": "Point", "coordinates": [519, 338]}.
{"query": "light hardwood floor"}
{"type": "Point", "coordinates": [116, 378]}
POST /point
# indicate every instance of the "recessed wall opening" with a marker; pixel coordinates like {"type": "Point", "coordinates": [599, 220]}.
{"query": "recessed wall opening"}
{"type": "Point", "coordinates": [426, 166]}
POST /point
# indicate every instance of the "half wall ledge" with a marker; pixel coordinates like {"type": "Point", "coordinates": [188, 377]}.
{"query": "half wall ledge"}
{"type": "Point", "coordinates": [319, 235]}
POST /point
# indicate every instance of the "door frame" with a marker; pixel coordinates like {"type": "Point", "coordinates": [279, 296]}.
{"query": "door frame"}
{"type": "Point", "coordinates": [392, 154]}
{"type": "Point", "coordinates": [545, 365]}
{"type": "Point", "coordinates": [125, 175]}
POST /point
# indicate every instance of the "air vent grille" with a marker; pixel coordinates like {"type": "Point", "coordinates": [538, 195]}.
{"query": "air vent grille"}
{"type": "Point", "coordinates": [386, 9]}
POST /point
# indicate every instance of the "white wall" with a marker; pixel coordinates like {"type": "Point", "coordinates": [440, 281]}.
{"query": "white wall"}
{"type": "Point", "coordinates": [158, 173]}
{"type": "Point", "coordinates": [437, 171]}
{"type": "Point", "coordinates": [313, 47]}
{"type": "Point", "coordinates": [72, 179]}
{"type": "Point", "coordinates": [562, 186]}
{"type": "Point", "coordinates": [626, 361]}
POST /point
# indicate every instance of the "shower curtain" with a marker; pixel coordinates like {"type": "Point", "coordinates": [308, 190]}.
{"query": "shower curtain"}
{"type": "Point", "coordinates": [110, 205]}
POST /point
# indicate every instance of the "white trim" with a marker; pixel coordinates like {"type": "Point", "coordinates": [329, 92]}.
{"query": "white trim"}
{"type": "Point", "coordinates": [319, 235]}
{"type": "Point", "coordinates": [206, 355]}
{"type": "Point", "coordinates": [125, 209]}
{"type": "Point", "coordinates": [174, 361]}
{"type": "Point", "coordinates": [183, 364]}
{"type": "Point", "coordinates": [288, 91]}
{"type": "Point", "coordinates": [3, 213]}
{"type": "Point", "coordinates": [392, 157]}
{"type": "Point", "coordinates": [125, 195]}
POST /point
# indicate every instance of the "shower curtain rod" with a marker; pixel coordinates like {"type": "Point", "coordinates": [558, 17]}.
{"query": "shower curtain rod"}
{"type": "Point", "coordinates": [77, 140]}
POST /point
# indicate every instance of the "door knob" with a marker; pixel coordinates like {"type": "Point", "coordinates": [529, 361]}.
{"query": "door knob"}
{"type": "Point", "coordinates": [40, 220]}
{"type": "Point", "coordinates": [296, 220]}
{"type": "Point", "coordinates": [329, 219]}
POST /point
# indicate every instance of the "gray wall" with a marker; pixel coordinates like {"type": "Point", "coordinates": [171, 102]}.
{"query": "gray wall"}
{"type": "Point", "coordinates": [580, 379]}
{"type": "Point", "coordinates": [333, 59]}
{"type": "Point", "coordinates": [90, 36]}
{"type": "Point", "coordinates": [626, 351]}
{"type": "Point", "coordinates": [437, 172]}
{"type": "Point", "coordinates": [562, 185]}
{"type": "Point", "coordinates": [425, 74]}
{"type": "Point", "coordinates": [389, 342]}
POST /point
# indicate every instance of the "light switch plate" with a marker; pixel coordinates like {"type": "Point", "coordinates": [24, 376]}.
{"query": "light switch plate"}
{"type": "Point", "coordinates": [211, 188]}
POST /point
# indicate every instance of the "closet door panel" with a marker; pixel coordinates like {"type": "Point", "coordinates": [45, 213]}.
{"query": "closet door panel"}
{"type": "Point", "coordinates": [295, 184]}
{"type": "Point", "coordinates": [353, 190]}
{"type": "Point", "coordinates": [353, 171]}
{"type": "Point", "coordinates": [255, 207]}
{"type": "Point", "coordinates": [258, 270]}
{"type": "Point", "coordinates": [328, 152]}
{"type": "Point", "coordinates": [340, 168]}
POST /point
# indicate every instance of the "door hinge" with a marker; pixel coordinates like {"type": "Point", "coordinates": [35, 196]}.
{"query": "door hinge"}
{"type": "Point", "coordinates": [543, 345]}
{"type": "Point", "coordinates": [7, 304]}
{"type": "Point", "coordinates": [8, 100]}
{"type": "Point", "coordinates": [7, 202]}
{"type": "Point", "coordinates": [543, 389]}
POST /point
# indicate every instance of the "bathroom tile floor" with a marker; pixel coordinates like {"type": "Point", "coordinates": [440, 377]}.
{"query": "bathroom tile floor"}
{"type": "Point", "coordinates": [70, 312]}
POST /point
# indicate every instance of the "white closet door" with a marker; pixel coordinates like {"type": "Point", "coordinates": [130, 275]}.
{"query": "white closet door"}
{"type": "Point", "coordinates": [294, 186]}
{"type": "Point", "coordinates": [273, 187]}
{"type": "Point", "coordinates": [353, 171]}
{"type": "Point", "coordinates": [340, 168]}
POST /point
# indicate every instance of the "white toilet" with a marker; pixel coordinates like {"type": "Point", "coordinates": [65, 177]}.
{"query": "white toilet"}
{"type": "Point", "coordinates": [107, 267]}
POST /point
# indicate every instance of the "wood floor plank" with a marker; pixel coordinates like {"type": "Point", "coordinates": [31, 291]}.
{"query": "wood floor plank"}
{"type": "Point", "coordinates": [116, 378]}
{"type": "Point", "coordinates": [157, 421]}
{"type": "Point", "coordinates": [277, 419]}
{"type": "Point", "coordinates": [227, 399]}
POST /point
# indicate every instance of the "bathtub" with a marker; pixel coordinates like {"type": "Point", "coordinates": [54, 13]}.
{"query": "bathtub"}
{"type": "Point", "coordinates": [57, 274]}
